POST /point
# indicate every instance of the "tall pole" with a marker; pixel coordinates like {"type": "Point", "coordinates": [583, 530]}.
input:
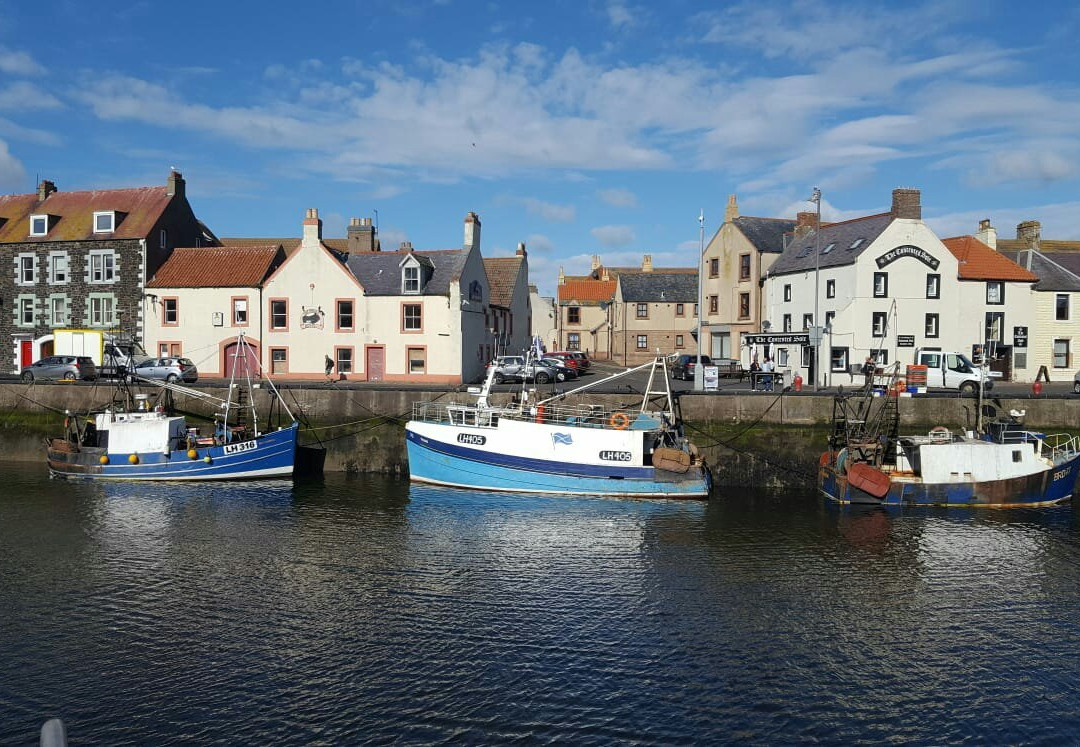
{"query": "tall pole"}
{"type": "Point", "coordinates": [699, 372]}
{"type": "Point", "coordinates": [816, 199]}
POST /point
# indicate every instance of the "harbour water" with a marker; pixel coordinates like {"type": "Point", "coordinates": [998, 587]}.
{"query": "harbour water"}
{"type": "Point", "coordinates": [362, 609]}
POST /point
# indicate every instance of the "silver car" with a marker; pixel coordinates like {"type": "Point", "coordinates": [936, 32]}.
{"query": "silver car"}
{"type": "Point", "coordinates": [170, 368]}
{"type": "Point", "coordinates": [66, 367]}
{"type": "Point", "coordinates": [514, 368]}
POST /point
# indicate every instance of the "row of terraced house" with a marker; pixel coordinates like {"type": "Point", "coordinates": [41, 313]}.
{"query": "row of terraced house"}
{"type": "Point", "coordinates": [138, 262]}
{"type": "Point", "coordinates": [883, 286]}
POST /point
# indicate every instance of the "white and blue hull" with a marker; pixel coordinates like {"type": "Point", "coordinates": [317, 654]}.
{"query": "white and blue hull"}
{"type": "Point", "coordinates": [534, 458]}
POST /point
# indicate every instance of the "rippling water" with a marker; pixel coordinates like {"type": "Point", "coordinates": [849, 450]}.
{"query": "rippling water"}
{"type": "Point", "coordinates": [363, 609]}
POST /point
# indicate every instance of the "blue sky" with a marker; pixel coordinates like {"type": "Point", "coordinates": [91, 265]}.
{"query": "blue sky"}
{"type": "Point", "coordinates": [581, 128]}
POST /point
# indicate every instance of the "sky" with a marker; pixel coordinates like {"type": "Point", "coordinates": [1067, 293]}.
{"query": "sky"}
{"type": "Point", "coordinates": [588, 127]}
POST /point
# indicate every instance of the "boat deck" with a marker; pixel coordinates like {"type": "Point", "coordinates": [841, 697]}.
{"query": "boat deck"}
{"type": "Point", "coordinates": [575, 416]}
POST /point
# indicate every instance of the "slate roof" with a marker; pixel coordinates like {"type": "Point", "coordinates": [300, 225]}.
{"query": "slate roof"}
{"type": "Point", "coordinates": [218, 267]}
{"type": "Point", "coordinates": [141, 206]}
{"type": "Point", "coordinates": [1069, 260]}
{"type": "Point", "coordinates": [587, 292]}
{"type": "Point", "coordinates": [502, 275]}
{"type": "Point", "coordinates": [1052, 273]}
{"type": "Point", "coordinates": [835, 245]}
{"type": "Point", "coordinates": [766, 234]}
{"type": "Point", "coordinates": [1045, 245]}
{"type": "Point", "coordinates": [380, 272]}
{"type": "Point", "coordinates": [980, 262]}
{"type": "Point", "coordinates": [653, 287]}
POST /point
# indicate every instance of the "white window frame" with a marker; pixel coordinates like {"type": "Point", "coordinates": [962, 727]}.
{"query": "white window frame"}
{"type": "Point", "coordinates": [412, 323]}
{"type": "Point", "coordinates": [642, 342]}
{"type": "Point", "coordinates": [111, 215]}
{"type": "Point", "coordinates": [102, 311]}
{"type": "Point", "coordinates": [21, 266]}
{"type": "Point", "coordinates": [240, 306]}
{"type": "Point", "coordinates": [44, 219]}
{"type": "Point", "coordinates": [54, 258]}
{"type": "Point", "coordinates": [26, 303]}
{"type": "Point", "coordinates": [97, 263]}
{"type": "Point", "coordinates": [407, 281]}
{"type": "Point", "coordinates": [58, 320]}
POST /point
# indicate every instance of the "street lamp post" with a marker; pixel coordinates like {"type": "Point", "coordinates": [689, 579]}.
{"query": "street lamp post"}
{"type": "Point", "coordinates": [815, 198]}
{"type": "Point", "coordinates": [699, 373]}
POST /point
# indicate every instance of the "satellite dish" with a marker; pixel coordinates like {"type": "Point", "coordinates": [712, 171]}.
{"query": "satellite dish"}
{"type": "Point", "coordinates": [766, 325]}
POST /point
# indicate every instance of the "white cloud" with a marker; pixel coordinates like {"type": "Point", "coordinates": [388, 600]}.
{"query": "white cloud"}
{"type": "Point", "coordinates": [385, 192]}
{"type": "Point", "coordinates": [538, 243]}
{"type": "Point", "coordinates": [549, 211]}
{"type": "Point", "coordinates": [24, 96]}
{"type": "Point", "coordinates": [618, 197]}
{"type": "Point", "coordinates": [27, 134]}
{"type": "Point", "coordinates": [12, 173]}
{"type": "Point", "coordinates": [1059, 220]}
{"type": "Point", "coordinates": [613, 236]}
{"type": "Point", "coordinates": [14, 62]}
{"type": "Point", "coordinates": [619, 16]}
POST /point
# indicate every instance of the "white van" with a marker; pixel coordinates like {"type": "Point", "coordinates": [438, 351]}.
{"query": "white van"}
{"type": "Point", "coordinates": [948, 370]}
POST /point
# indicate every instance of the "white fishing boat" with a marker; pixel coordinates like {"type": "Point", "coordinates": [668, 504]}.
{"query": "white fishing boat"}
{"type": "Point", "coordinates": [549, 446]}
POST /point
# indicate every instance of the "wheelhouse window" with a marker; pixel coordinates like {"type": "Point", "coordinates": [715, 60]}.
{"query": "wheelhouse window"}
{"type": "Point", "coordinates": [995, 292]}
{"type": "Point", "coordinates": [642, 342]}
{"type": "Point", "coordinates": [744, 305]}
{"type": "Point", "coordinates": [573, 315]}
{"type": "Point", "coordinates": [877, 325]}
{"type": "Point", "coordinates": [933, 285]}
{"type": "Point", "coordinates": [930, 328]}
{"type": "Point", "coordinates": [104, 221]}
{"type": "Point", "coordinates": [1061, 307]}
{"type": "Point", "coordinates": [643, 311]}
{"type": "Point", "coordinates": [279, 314]}
{"type": "Point", "coordinates": [744, 267]}
{"type": "Point", "coordinates": [411, 317]}
{"type": "Point", "coordinates": [344, 314]}
{"type": "Point", "coordinates": [881, 285]}
{"type": "Point", "coordinates": [410, 279]}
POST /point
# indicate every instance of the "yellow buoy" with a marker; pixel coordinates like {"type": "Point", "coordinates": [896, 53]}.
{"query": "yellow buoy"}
{"type": "Point", "coordinates": [192, 454]}
{"type": "Point", "coordinates": [103, 459]}
{"type": "Point", "coordinates": [134, 458]}
{"type": "Point", "coordinates": [207, 459]}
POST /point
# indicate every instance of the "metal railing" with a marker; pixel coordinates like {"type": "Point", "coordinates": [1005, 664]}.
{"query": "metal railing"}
{"type": "Point", "coordinates": [581, 416]}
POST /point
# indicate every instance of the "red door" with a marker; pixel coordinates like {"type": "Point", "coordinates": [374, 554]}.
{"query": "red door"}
{"type": "Point", "coordinates": [376, 364]}
{"type": "Point", "coordinates": [243, 366]}
{"type": "Point", "coordinates": [26, 353]}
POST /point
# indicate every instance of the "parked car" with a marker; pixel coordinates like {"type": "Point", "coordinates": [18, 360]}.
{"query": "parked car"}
{"type": "Point", "coordinates": [582, 359]}
{"type": "Point", "coordinates": [569, 373]}
{"type": "Point", "coordinates": [568, 359]}
{"type": "Point", "coordinates": [514, 368]}
{"type": "Point", "coordinates": [170, 369]}
{"type": "Point", "coordinates": [683, 367]}
{"type": "Point", "coordinates": [67, 367]}
{"type": "Point", "coordinates": [1076, 382]}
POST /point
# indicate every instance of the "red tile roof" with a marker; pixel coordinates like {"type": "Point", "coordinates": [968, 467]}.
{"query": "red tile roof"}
{"type": "Point", "coordinates": [73, 213]}
{"type": "Point", "coordinates": [502, 275]}
{"type": "Point", "coordinates": [587, 290]}
{"type": "Point", "coordinates": [289, 244]}
{"type": "Point", "coordinates": [218, 267]}
{"type": "Point", "coordinates": [980, 262]}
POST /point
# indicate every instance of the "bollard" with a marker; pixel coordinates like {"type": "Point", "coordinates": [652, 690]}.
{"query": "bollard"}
{"type": "Point", "coordinates": [1036, 388]}
{"type": "Point", "coordinates": [797, 382]}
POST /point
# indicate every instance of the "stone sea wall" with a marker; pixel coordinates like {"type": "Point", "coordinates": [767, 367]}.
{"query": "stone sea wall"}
{"type": "Point", "coordinates": [749, 440]}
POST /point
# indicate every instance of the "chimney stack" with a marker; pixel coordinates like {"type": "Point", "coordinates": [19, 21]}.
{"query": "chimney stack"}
{"type": "Point", "coordinates": [360, 236]}
{"type": "Point", "coordinates": [605, 275]}
{"type": "Point", "coordinates": [472, 231]}
{"type": "Point", "coordinates": [595, 261]}
{"type": "Point", "coordinates": [521, 249]}
{"type": "Point", "coordinates": [731, 212]}
{"type": "Point", "coordinates": [176, 184]}
{"type": "Point", "coordinates": [646, 263]}
{"type": "Point", "coordinates": [45, 189]}
{"type": "Point", "coordinates": [987, 234]}
{"type": "Point", "coordinates": [312, 228]}
{"type": "Point", "coordinates": [406, 246]}
{"type": "Point", "coordinates": [906, 203]}
{"type": "Point", "coordinates": [562, 276]}
{"type": "Point", "coordinates": [1030, 232]}
{"type": "Point", "coordinates": [805, 223]}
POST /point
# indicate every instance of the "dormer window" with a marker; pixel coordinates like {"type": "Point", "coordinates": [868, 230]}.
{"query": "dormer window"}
{"type": "Point", "coordinates": [104, 221]}
{"type": "Point", "coordinates": [410, 279]}
{"type": "Point", "coordinates": [39, 225]}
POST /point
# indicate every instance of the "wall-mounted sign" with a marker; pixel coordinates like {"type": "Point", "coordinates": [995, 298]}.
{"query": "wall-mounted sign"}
{"type": "Point", "coordinates": [905, 341]}
{"type": "Point", "coordinates": [791, 338]}
{"type": "Point", "coordinates": [1020, 337]}
{"type": "Point", "coordinates": [311, 317]}
{"type": "Point", "coordinates": [907, 250]}
{"type": "Point", "coordinates": [219, 319]}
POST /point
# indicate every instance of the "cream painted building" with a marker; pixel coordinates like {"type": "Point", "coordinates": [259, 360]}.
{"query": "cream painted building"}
{"type": "Point", "coordinates": [737, 257]}
{"type": "Point", "coordinates": [543, 311]}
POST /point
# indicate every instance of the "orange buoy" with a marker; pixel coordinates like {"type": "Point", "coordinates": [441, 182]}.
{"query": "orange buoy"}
{"type": "Point", "coordinates": [539, 413]}
{"type": "Point", "coordinates": [620, 421]}
{"type": "Point", "coordinates": [134, 458]}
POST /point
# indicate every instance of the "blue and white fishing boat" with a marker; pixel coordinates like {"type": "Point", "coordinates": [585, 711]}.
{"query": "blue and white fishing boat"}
{"type": "Point", "coordinates": [549, 446]}
{"type": "Point", "coordinates": [134, 439]}
{"type": "Point", "coordinates": [868, 462]}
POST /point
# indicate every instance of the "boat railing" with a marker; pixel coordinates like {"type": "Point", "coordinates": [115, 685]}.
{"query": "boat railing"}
{"type": "Point", "coordinates": [1059, 445]}
{"type": "Point", "coordinates": [581, 416]}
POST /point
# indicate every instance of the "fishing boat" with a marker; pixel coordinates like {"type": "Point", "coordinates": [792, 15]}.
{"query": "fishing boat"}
{"type": "Point", "coordinates": [538, 445]}
{"type": "Point", "coordinates": [137, 437]}
{"type": "Point", "coordinates": [1001, 465]}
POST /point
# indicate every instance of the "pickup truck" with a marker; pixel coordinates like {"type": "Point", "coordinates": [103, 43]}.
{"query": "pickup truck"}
{"type": "Point", "coordinates": [948, 370]}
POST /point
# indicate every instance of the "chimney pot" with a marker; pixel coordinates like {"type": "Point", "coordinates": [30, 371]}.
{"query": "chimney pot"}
{"type": "Point", "coordinates": [1030, 232]}
{"type": "Point", "coordinates": [906, 203]}
{"type": "Point", "coordinates": [521, 249]}
{"type": "Point", "coordinates": [731, 212]}
{"type": "Point", "coordinates": [472, 231]}
{"type": "Point", "coordinates": [646, 263]}
{"type": "Point", "coordinates": [312, 228]}
{"type": "Point", "coordinates": [360, 236]}
{"type": "Point", "coordinates": [45, 189]}
{"type": "Point", "coordinates": [987, 234]}
{"type": "Point", "coordinates": [176, 184]}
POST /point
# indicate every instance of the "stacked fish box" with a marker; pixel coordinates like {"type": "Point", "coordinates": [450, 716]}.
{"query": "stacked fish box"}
{"type": "Point", "coordinates": [916, 379]}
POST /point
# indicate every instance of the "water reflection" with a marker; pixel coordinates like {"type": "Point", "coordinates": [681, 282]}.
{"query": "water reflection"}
{"type": "Point", "coordinates": [361, 608]}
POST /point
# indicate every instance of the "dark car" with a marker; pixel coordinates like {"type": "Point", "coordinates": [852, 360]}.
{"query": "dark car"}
{"type": "Point", "coordinates": [569, 373]}
{"type": "Point", "coordinates": [567, 359]}
{"type": "Point", "coordinates": [683, 367]}
{"type": "Point", "coordinates": [582, 359]}
{"type": "Point", "coordinates": [66, 367]}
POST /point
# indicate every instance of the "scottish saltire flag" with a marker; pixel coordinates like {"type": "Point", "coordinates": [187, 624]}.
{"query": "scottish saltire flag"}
{"type": "Point", "coordinates": [538, 346]}
{"type": "Point", "coordinates": [562, 438]}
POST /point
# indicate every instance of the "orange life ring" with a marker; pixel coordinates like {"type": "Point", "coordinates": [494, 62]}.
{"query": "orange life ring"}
{"type": "Point", "coordinates": [620, 421]}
